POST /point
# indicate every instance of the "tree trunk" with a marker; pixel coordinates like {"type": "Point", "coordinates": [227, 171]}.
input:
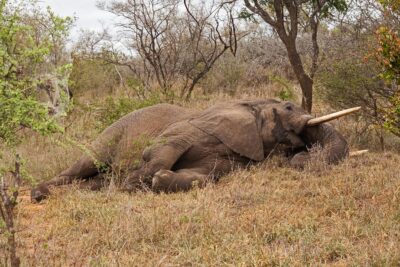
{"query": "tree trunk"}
{"type": "Point", "coordinates": [306, 83]}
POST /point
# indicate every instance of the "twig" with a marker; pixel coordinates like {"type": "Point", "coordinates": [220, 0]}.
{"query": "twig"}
{"type": "Point", "coordinates": [7, 205]}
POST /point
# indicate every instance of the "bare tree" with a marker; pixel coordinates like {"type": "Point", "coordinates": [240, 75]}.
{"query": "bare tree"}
{"type": "Point", "coordinates": [179, 43]}
{"type": "Point", "coordinates": [210, 33]}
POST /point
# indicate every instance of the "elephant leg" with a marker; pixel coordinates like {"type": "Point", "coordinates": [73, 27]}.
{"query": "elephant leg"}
{"type": "Point", "coordinates": [95, 183]}
{"type": "Point", "coordinates": [160, 157]}
{"type": "Point", "coordinates": [82, 169]}
{"type": "Point", "coordinates": [181, 180]}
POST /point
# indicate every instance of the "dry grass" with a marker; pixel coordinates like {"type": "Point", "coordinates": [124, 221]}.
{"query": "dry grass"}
{"type": "Point", "coordinates": [270, 215]}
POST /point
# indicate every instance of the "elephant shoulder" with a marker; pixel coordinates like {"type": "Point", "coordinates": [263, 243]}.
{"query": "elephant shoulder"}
{"type": "Point", "coordinates": [235, 125]}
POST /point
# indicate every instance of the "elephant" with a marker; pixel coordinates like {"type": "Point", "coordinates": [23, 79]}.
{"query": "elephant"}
{"type": "Point", "coordinates": [188, 147]}
{"type": "Point", "coordinates": [116, 147]}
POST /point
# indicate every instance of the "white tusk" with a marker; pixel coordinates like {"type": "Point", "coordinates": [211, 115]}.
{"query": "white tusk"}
{"type": "Point", "coordinates": [332, 116]}
{"type": "Point", "coordinates": [358, 153]}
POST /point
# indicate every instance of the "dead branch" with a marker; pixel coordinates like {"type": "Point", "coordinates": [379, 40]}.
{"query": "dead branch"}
{"type": "Point", "coordinates": [8, 201]}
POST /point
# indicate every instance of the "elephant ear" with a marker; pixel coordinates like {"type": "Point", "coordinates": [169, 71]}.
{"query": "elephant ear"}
{"type": "Point", "coordinates": [234, 125]}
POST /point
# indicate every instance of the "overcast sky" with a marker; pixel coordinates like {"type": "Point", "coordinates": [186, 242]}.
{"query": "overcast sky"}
{"type": "Point", "coordinates": [89, 17]}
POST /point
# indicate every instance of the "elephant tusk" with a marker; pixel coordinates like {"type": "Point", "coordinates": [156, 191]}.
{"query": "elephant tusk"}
{"type": "Point", "coordinates": [332, 116]}
{"type": "Point", "coordinates": [358, 153]}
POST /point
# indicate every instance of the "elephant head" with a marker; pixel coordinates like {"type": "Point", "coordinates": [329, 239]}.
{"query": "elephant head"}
{"type": "Point", "coordinates": [253, 128]}
{"type": "Point", "coordinates": [319, 133]}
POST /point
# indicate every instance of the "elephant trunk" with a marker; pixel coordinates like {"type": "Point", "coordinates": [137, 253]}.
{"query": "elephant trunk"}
{"type": "Point", "coordinates": [334, 147]}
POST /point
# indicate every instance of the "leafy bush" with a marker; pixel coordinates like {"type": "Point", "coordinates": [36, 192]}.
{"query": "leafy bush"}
{"type": "Point", "coordinates": [350, 82]}
{"type": "Point", "coordinates": [25, 49]}
{"type": "Point", "coordinates": [23, 52]}
{"type": "Point", "coordinates": [387, 55]}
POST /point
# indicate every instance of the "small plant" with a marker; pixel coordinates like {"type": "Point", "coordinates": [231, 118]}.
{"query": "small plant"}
{"type": "Point", "coordinates": [286, 93]}
{"type": "Point", "coordinates": [335, 250]}
{"type": "Point", "coordinates": [8, 200]}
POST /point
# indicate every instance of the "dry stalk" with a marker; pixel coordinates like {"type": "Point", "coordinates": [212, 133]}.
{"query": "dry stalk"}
{"type": "Point", "coordinates": [8, 201]}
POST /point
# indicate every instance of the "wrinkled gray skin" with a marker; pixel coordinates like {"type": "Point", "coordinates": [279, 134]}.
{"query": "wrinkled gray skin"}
{"type": "Point", "coordinates": [331, 144]}
{"type": "Point", "coordinates": [191, 147]}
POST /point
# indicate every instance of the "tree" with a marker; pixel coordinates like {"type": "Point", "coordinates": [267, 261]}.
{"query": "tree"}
{"type": "Point", "coordinates": [24, 52]}
{"type": "Point", "coordinates": [346, 77]}
{"type": "Point", "coordinates": [176, 55]}
{"type": "Point", "coordinates": [287, 18]}
{"type": "Point", "coordinates": [20, 61]}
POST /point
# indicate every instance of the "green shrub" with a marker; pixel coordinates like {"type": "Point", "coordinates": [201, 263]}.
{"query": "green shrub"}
{"type": "Point", "coordinates": [351, 82]}
{"type": "Point", "coordinates": [23, 52]}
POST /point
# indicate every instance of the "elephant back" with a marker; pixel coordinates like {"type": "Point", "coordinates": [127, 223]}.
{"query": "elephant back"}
{"type": "Point", "coordinates": [122, 143]}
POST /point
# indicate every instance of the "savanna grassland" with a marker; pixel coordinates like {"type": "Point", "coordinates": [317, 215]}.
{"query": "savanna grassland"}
{"type": "Point", "coordinates": [57, 93]}
{"type": "Point", "coordinates": [269, 215]}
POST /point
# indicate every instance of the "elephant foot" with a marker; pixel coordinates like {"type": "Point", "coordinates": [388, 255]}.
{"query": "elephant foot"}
{"type": "Point", "coordinates": [39, 193]}
{"type": "Point", "coordinates": [182, 180]}
{"type": "Point", "coordinates": [162, 181]}
{"type": "Point", "coordinates": [135, 181]}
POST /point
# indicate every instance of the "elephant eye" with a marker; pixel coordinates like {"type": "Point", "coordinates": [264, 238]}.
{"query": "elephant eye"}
{"type": "Point", "coordinates": [289, 108]}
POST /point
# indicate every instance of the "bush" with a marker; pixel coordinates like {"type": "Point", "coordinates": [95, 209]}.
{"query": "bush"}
{"type": "Point", "coordinates": [286, 92]}
{"type": "Point", "coordinates": [351, 82]}
{"type": "Point", "coordinates": [92, 76]}
{"type": "Point", "coordinates": [23, 53]}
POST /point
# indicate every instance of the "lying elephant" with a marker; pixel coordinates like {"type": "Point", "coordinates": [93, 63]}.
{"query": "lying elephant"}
{"type": "Point", "coordinates": [190, 146]}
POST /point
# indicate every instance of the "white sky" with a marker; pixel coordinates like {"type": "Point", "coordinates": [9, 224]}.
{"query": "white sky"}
{"type": "Point", "coordinates": [89, 17]}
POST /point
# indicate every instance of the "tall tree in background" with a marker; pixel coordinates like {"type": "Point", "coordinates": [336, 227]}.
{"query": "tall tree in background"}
{"type": "Point", "coordinates": [287, 18]}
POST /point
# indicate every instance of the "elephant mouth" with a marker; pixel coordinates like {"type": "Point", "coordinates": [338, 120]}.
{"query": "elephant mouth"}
{"type": "Point", "coordinates": [332, 116]}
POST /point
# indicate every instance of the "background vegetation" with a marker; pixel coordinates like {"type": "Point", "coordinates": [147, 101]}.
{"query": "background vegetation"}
{"type": "Point", "coordinates": [54, 101]}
